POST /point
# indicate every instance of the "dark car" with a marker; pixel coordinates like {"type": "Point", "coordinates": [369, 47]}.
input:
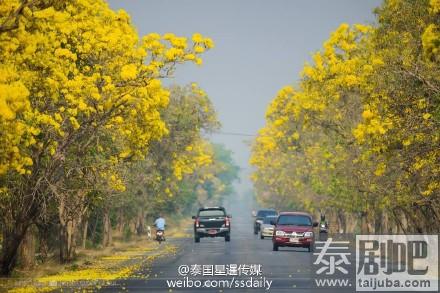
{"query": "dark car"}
{"type": "Point", "coordinates": [259, 218]}
{"type": "Point", "coordinates": [294, 229]}
{"type": "Point", "coordinates": [212, 222]}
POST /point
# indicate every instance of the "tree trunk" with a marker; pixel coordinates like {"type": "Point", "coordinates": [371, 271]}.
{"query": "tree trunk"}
{"type": "Point", "coordinates": [141, 222]}
{"type": "Point", "coordinates": [378, 222]}
{"type": "Point", "coordinates": [386, 223]}
{"type": "Point", "coordinates": [351, 222]}
{"type": "Point", "coordinates": [400, 227]}
{"type": "Point", "coordinates": [14, 227]}
{"type": "Point", "coordinates": [27, 250]}
{"type": "Point", "coordinates": [364, 223]}
{"type": "Point", "coordinates": [342, 222]}
{"type": "Point", "coordinates": [84, 235]}
{"type": "Point", "coordinates": [107, 231]}
{"type": "Point", "coordinates": [43, 246]}
{"type": "Point", "coordinates": [68, 241]}
{"type": "Point", "coordinates": [68, 230]}
{"type": "Point", "coordinates": [120, 220]}
{"type": "Point", "coordinates": [12, 237]}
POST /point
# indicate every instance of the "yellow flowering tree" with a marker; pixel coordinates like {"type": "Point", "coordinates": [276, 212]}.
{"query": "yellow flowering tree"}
{"type": "Point", "coordinates": [154, 182]}
{"type": "Point", "coordinates": [358, 136]}
{"type": "Point", "coordinates": [78, 86]}
{"type": "Point", "coordinates": [308, 131]}
{"type": "Point", "coordinates": [402, 103]}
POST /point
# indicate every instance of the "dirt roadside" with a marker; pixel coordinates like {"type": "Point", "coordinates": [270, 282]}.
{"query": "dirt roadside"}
{"type": "Point", "coordinates": [94, 268]}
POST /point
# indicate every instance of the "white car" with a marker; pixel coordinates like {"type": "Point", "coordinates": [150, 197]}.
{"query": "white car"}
{"type": "Point", "coordinates": [266, 228]}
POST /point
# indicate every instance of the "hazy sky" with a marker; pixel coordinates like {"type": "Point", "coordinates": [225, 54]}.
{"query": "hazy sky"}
{"type": "Point", "coordinates": [260, 46]}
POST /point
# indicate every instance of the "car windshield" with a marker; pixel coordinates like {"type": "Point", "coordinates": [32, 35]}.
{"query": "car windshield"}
{"type": "Point", "coordinates": [212, 213]}
{"type": "Point", "coordinates": [268, 219]}
{"type": "Point", "coordinates": [263, 214]}
{"type": "Point", "coordinates": [295, 220]}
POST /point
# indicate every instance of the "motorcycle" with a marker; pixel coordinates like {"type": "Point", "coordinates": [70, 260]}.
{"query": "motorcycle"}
{"type": "Point", "coordinates": [323, 228]}
{"type": "Point", "coordinates": [160, 236]}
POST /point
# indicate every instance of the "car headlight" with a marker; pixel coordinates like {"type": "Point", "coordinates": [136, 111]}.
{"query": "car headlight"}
{"type": "Point", "coordinates": [279, 233]}
{"type": "Point", "coordinates": [259, 221]}
{"type": "Point", "coordinates": [322, 226]}
{"type": "Point", "coordinates": [308, 234]}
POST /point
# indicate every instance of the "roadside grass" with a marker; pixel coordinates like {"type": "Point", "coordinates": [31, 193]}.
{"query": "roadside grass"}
{"type": "Point", "coordinates": [94, 268]}
{"type": "Point", "coordinates": [180, 228]}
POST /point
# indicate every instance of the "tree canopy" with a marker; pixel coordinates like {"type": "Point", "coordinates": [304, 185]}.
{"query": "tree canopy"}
{"type": "Point", "coordinates": [359, 133]}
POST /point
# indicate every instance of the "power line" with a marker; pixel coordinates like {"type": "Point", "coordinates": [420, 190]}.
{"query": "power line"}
{"type": "Point", "coordinates": [234, 133]}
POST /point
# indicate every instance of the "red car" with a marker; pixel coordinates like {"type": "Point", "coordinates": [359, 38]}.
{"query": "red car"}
{"type": "Point", "coordinates": [294, 229]}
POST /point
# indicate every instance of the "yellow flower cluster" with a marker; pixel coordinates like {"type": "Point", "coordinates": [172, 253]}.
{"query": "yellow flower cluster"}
{"type": "Point", "coordinates": [15, 133]}
{"type": "Point", "coordinates": [196, 156]}
{"type": "Point", "coordinates": [83, 72]}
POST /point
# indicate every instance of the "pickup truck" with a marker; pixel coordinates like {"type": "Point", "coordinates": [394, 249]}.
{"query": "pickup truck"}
{"type": "Point", "coordinates": [212, 222]}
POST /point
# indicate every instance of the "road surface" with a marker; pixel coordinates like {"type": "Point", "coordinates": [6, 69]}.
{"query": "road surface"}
{"type": "Point", "coordinates": [281, 271]}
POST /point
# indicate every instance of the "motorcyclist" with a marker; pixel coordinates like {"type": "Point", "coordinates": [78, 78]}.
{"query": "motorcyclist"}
{"type": "Point", "coordinates": [159, 223]}
{"type": "Point", "coordinates": [323, 225]}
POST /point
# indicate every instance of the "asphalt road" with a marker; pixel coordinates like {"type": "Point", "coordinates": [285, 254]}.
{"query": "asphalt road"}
{"type": "Point", "coordinates": [287, 270]}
